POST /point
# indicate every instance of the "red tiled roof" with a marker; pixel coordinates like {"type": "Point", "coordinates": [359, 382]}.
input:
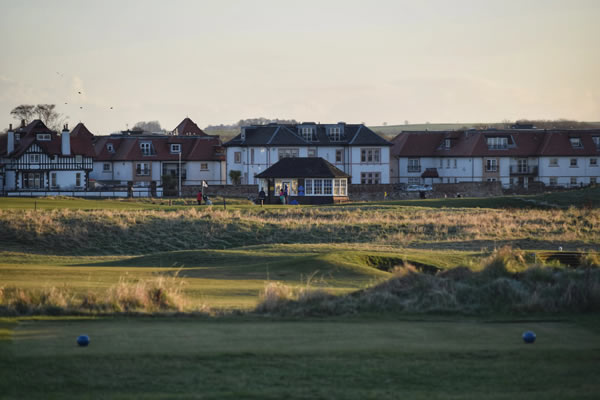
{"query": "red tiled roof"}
{"type": "Point", "coordinates": [80, 138]}
{"type": "Point", "coordinates": [187, 127]}
{"type": "Point", "coordinates": [473, 143]}
{"type": "Point", "coordinates": [193, 148]}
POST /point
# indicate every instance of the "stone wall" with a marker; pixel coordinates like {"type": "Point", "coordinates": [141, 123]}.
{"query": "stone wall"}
{"type": "Point", "coordinates": [398, 192]}
{"type": "Point", "coordinates": [243, 191]}
{"type": "Point", "coordinates": [467, 189]}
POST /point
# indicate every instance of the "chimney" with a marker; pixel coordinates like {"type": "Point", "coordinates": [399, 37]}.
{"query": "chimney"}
{"type": "Point", "coordinates": [10, 145]}
{"type": "Point", "coordinates": [22, 123]}
{"type": "Point", "coordinates": [66, 141]}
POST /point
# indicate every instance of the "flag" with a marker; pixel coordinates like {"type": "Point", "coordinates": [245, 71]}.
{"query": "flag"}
{"type": "Point", "coordinates": [204, 184]}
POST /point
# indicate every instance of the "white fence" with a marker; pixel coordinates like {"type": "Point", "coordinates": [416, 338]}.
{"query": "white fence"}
{"type": "Point", "coordinates": [135, 192]}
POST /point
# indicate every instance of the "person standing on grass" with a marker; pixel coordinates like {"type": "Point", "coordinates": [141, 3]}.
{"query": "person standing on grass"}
{"type": "Point", "coordinates": [281, 196]}
{"type": "Point", "coordinates": [285, 193]}
{"type": "Point", "coordinates": [199, 197]}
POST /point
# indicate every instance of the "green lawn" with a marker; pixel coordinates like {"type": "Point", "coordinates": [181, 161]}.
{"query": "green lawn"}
{"type": "Point", "coordinates": [352, 358]}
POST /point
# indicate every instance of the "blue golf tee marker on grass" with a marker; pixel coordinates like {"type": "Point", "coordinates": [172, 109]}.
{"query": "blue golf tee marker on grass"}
{"type": "Point", "coordinates": [83, 340]}
{"type": "Point", "coordinates": [529, 337]}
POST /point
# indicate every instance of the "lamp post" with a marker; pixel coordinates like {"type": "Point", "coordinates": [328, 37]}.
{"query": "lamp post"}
{"type": "Point", "coordinates": [179, 174]}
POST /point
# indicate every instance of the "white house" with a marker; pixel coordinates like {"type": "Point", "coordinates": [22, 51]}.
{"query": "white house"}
{"type": "Point", "coordinates": [514, 157]}
{"type": "Point", "coordinates": [354, 149]}
{"type": "Point", "coordinates": [145, 159]}
{"type": "Point", "coordinates": [36, 159]}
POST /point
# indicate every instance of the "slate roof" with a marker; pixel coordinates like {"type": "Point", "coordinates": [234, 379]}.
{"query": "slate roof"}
{"type": "Point", "coordinates": [127, 148]}
{"type": "Point", "coordinates": [311, 167]}
{"type": "Point", "coordinates": [289, 135]}
{"type": "Point", "coordinates": [473, 143]}
{"type": "Point", "coordinates": [80, 138]}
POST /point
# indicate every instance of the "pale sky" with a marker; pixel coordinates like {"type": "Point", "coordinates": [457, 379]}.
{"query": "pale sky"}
{"type": "Point", "coordinates": [328, 61]}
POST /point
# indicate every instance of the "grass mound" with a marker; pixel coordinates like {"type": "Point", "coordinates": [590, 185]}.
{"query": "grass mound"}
{"type": "Point", "coordinates": [504, 284]}
{"type": "Point", "coordinates": [161, 294]}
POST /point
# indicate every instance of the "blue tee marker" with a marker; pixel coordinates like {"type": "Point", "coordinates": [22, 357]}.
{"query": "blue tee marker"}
{"type": "Point", "coordinates": [83, 340]}
{"type": "Point", "coordinates": [529, 337]}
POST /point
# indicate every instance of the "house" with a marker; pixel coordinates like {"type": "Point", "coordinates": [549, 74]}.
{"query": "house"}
{"type": "Point", "coordinates": [353, 148]}
{"type": "Point", "coordinates": [514, 157]}
{"type": "Point", "coordinates": [144, 159]}
{"type": "Point", "coordinates": [310, 180]}
{"type": "Point", "coordinates": [36, 159]}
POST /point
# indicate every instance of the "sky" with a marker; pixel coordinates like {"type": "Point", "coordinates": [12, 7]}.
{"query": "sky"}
{"type": "Point", "coordinates": [326, 61]}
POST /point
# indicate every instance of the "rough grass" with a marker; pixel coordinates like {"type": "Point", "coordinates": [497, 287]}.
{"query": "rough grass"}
{"type": "Point", "coordinates": [140, 232]}
{"type": "Point", "coordinates": [505, 284]}
{"type": "Point", "coordinates": [157, 295]}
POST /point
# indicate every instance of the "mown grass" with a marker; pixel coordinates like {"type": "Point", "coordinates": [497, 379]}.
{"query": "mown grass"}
{"type": "Point", "coordinates": [357, 358]}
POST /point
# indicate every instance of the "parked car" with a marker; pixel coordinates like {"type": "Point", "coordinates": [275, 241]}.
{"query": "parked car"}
{"type": "Point", "coordinates": [419, 188]}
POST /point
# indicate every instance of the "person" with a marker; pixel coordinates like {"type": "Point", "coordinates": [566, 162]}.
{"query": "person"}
{"type": "Point", "coordinates": [281, 196]}
{"type": "Point", "coordinates": [261, 196]}
{"type": "Point", "coordinates": [199, 197]}
{"type": "Point", "coordinates": [285, 193]}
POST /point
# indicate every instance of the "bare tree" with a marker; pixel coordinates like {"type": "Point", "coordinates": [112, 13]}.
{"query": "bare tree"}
{"type": "Point", "coordinates": [45, 112]}
{"type": "Point", "coordinates": [24, 112]}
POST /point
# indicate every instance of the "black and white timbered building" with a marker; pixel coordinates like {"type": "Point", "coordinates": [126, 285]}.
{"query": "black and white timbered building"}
{"type": "Point", "coordinates": [35, 158]}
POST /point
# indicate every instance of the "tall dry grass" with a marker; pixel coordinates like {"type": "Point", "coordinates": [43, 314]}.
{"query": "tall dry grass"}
{"type": "Point", "coordinates": [503, 284]}
{"type": "Point", "coordinates": [156, 295]}
{"type": "Point", "coordinates": [137, 232]}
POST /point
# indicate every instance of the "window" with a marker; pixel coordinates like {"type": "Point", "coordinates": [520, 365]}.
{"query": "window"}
{"type": "Point", "coordinates": [447, 163]}
{"type": "Point", "coordinates": [447, 143]}
{"type": "Point", "coordinates": [369, 178]}
{"type": "Point", "coordinates": [553, 181]}
{"type": "Point", "coordinates": [78, 179]}
{"type": "Point", "coordinates": [78, 159]}
{"type": "Point", "coordinates": [146, 148]}
{"type": "Point", "coordinates": [335, 134]}
{"type": "Point", "coordinates": [573, 180]}
{"type": "Point", "coordinates": [17, 137]}
{"type": "Point", "coordinates": [573, 163]}
{"type": "Point", "coordinates": [43, 136]}
{"type": "Point", "coordinates": [175, 148]}
{"type": "Point", "coordinates": [491, 165]}
{"type": "Point", "coordinates": [343, 187]}
{"type": "Point", "coordinates": [441, 163]}
{"type": "Point", "coordinates": [454, 163]}
{"type": "Point", "coordinates": [575, 142]}
{"type": "Point", "coordinates": [414, 165]}
{"type": "Point", "coordinates": [488, 179]}
{"type": "Point", "coordinates": [32, 180]}
{"type": "Point", "coordinates": [593, 162]}
{"type": "Point", "coordinates": [308, 134]}
{"type": "Point", "coordinates": [327, 186]}
{"type": "Point", "coordinates": [596, 140]}
{"type": "Point", "coordinates": [204, 166]}
{"type": "Point", "coordinates": [34, 158]}
{"type": "Point", "coordinates": [142, 169]}
{"type": "Point", "coordinates": [339, 156]}
{"type": "Point", "coordinates": [414, 181]}
{"type": "Point", "coordinates": [339, 187]}
{"type": "Point", "coordinates": [497, 143]}
{"type": "Point", "coordinates": [317, 186]}
{"type": "Point", "coordinates": [251, 156]}
{"type": "Point", "coordinates": [369, 155]}
{"type": "Point", "coordinates": [592, 180]}
{"type": "Point", "coordinates": [553, 162]}
{"type": "Point", "coordinates": [312, 152]}
{"type": "Point", "coordinates": [54, 159]}
{"type": "Point", "coordinates": [237, 156]}
{"type": "Point", "coordinates": [110, 148]}
{"type": "Point", "coordinates": [53, 179]}
{"type": "Point", "coordinates": [106, 167]}
{"type": "Point", "coordinates": [288, 153]}
{"type": "Point", "coordinates": [308, 186]}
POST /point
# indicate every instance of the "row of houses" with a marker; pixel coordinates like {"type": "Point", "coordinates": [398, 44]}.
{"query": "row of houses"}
{"type": "Point", "coordinates": [34, 158]}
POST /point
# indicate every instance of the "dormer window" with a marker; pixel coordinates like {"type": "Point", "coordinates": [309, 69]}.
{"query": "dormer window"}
{"type": "Point", "coordinates": [308, 134]}
{"type": "Point", "coordinates": [335, 134]}
{"type": "Point", "coordinates": [175, 148]}
{"type": "Point", "coordinates": [576, 142]}
{"type": "Point", "coordinates": [447, 143]}
{"type": "Point", "coordinates": [146, 148]}
{"type": "Point", "coordinates": [497, 143]}
{"type": "Point", "coordinates": [596, 140]}
{"type": "Point", "coordinates": [110, 148]}
{"type": "Point", "coordinates": [43, 136]}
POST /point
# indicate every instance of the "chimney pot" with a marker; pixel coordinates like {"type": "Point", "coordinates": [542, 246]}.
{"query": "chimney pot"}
{"type": "Point", "coordinates": [22, 123]}
{"type": "Point", "coordinates": [10, 127]}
